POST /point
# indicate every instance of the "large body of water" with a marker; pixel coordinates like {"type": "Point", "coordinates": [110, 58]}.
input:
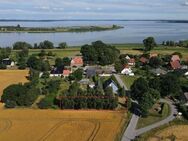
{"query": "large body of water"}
{"type": "Point", "coordinates": [133, 32]}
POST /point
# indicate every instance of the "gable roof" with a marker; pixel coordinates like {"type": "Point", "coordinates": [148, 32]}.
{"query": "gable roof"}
{"type": "Point", "coordinates": [132, 60]}
{"type": "Point", "coordinates": [57, 70]}
{"type": "Point", "coordinates": [108, 82]}
{"type": "Point", "coordinates": [66, 72]}
{"type": "Point", "coordinates": [90, 72]}
{"type": "Point", "coordinates": [175, 58]}
{"type": "Point", "coordinates": [175, 64]}
{"type": "Point", "coordinates": [77, 61]}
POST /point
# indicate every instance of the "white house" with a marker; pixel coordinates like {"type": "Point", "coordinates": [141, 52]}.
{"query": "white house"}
{"type": "Point", "coordinates": [127, 71]}
{"type": "Point", "coordinates": [186, 74]}
{"type": "Point", "coordinates": [112, 84]}
{"type": "Point", "coordinates": [8, 62]}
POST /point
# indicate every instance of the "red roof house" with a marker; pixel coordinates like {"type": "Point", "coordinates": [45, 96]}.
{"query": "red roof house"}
{"type": "Point", "coordinates": [77, 61]}
{"type": "Point", "coordinates": [175, 58]}
{"type": "Point", "coordinates": [175, 65]}
{"type": "Point", "coordinates": [66, 73]}
{"type": "Point", "coordinates": [131, 62]}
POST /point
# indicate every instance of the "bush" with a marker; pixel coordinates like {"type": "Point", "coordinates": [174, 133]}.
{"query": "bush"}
{"type": "Point", "coordinates": [10, 104]}
{"type": "Point", "coordinates": [47, 102]}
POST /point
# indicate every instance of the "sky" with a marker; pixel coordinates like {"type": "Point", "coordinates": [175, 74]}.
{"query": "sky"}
{"type": "Point", "coordinates": [94, 9]}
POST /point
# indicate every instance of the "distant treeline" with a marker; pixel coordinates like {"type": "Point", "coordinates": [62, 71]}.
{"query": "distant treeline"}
{"type": "Point", "coordinates": [18, 28]}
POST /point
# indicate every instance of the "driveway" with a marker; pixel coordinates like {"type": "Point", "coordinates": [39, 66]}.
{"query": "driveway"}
{"type": "Point", "coordinates": [131, 131]}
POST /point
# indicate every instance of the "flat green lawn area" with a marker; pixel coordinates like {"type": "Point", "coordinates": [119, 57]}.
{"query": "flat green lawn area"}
{"type": "Point", "coordinates": [154, 116]}
{"type": "Point", "coordinates": [128, 80]}
{"type": "Point", "coordinates": [124, 48]}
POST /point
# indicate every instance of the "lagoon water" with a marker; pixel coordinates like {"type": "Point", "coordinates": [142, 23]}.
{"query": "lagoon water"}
{"type": "Point", "coordinates": [133, 32]}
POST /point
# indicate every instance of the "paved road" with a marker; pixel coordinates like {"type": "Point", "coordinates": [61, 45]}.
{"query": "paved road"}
{"type": "Point", "coordinates": [118, 78]}
{"type": "Point", "coordinates": [167, 120]}
{"type": "Point", "coordinates": [131, 132]}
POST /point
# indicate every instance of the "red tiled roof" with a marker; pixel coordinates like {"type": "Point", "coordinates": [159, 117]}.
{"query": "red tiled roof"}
{"type": "Point", "coordinates": [175, 64]}
{"type": "Point", "coordinates": [143, 60]}
{"type": "Point", "coordinates": [66, 72]}
{"type": "Point", "coordinates": [175, 58]}
{"type": "Point", "coordinates": [77, 61]}
{"type": "Point", "coordinates": [132, 60]}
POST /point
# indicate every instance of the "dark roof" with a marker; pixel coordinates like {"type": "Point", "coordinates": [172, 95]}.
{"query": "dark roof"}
{"type": "Point", "coordinates": [6, 61]}
{"type": "Point", "coordinates": [90, 72]}
{"type": "Point", "coordinates": [57, 70]}
{"type": "Point", "coordinates": [108, 82]}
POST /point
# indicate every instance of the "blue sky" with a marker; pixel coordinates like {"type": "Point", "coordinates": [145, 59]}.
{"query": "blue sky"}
{"type": "Point", "coordinates": [94, 9]}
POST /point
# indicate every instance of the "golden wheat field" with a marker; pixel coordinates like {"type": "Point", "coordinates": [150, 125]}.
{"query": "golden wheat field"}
{"type": "Point", "coordinates": [8, 77]}
{"type": "Point", "coordinates": [59, 125]}
{"type": "Point", "coordinates": [175, 133]}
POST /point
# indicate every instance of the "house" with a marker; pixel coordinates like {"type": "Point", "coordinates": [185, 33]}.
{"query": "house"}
{"type": "Point", "coordinates": [131, 62]}
{"type": "Point", "coordinates": [111, 83]}
{"type": "Point", "coordinates": [8, 62]}
{"type": "Point", "coordinates": [175, 58]}
{"type": "Point", "coordinates": [127, 57]}
{"type": "Point", "coordinates": [153, 55]}
{"type": "Point", "coordinates": [175, 65]}
{"type": "Point", "coordinates": [185, 98]}
{"type": "Point", "coordinates": [77, 62]}
{"type": "Point", "coordinates": [87, 82]}
{"type": "Point", "coordinates": [90, 72]}
{"type": "Point", "coordinates": [66, 73]}
{"type": "Point", "coordinates": [158, 71]}
{"type": "Point", "coordinates": [143, 60]}
{"type": "Point", "coordinates": [127, 71]}
{"type": "Point", "coordinates": [186, 74]}
{"type": "Point", "coordinates": [56, 72]}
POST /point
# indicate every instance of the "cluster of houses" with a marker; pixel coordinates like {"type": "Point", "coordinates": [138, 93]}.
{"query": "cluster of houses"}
{"type": "Point", "coordinates": [174, 64]}
{"type": "Point", "coordinates": [63, 71]}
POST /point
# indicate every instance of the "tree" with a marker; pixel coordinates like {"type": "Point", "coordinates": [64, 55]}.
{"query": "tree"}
{"type": "Point", "coordinates": [46, 45]}
{"type": "Point", "coordinates": [149, 43]}
{"type": "Point", "coordinates": [139, 87]}
{"type": "Point", "coordinates": [118, 66]}
{"type": "Point", "coordinates": [62, 45]}
{"type": "Point", "coordinates": [21, 46]}
{"type": "Point", "coordinates": [155, 62]}
{"type": "Point", "coordinates": [58, 62]}
{"type": "Point", "coordinates": [122, 92]}
{"type": "Point", "coordinates": [77, 75]}
{"type": "Point", "coordinates": [66, 61]}
{"type": "Point", "coordinates": [109, 92]}
{"type": "Point", "coordinates": [99, 53]}
{"type": "Point", "coordinates": [170, 85]}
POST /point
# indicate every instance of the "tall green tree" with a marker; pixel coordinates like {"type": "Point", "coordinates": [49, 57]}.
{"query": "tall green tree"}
{"type": "Point", "coordinates": [149, 43]}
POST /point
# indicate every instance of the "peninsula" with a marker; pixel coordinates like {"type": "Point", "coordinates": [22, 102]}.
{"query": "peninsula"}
{"type": "Point", "coordinates": [18, 28]}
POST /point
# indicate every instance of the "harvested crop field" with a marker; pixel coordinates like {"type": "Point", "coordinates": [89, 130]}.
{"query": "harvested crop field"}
{"type": "Point", "coordinates": [58, 125]}
{"type": "Point", "coordinates": [173, 133]}
{"type": "Point", "coordinates": [8, 77]}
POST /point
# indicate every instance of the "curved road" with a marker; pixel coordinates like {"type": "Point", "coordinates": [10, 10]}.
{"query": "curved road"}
{"type": "Point", "coordinates": [131, 132]}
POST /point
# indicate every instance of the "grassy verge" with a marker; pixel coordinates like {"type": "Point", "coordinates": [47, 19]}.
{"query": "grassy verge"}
{"type": "Point", "coordinates": [154, 116]}
{"type": "Point", "coordinates": [128, 80]}
{"type": "Point", "coordinates": [123, 127]}
{"type": "Point", "coordinates": [147, 135]}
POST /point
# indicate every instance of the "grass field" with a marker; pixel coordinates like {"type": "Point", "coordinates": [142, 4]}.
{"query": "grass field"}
{"type": "Point", "coordinates": [153, 117]}
{"type": "Point", "coordinates": [128, 80]}
{"type": "Point", "coordinates": [58, 125]}
{"type": "Point", "coordinates": [8, 77]}
{"type": "Point", "coordinates": [173, 133]}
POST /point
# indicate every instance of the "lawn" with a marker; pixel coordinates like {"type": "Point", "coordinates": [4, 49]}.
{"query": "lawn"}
{"type": "Point", "coordinates": [128, 80]}
{"type": "Point", "coordinates": [154, 116]}
{"type": "Point", "coordinates": [8, 77]}
{"type": "Point", "coordinates": [59, 125]}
